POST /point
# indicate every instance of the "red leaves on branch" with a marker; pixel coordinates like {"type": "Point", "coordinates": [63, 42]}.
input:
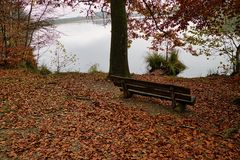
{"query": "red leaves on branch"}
{"type": "Point", "coordinates": [203, 12]}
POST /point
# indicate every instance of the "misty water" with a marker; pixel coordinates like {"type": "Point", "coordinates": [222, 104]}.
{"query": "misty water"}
{"type": "Point", "coordinates": [91, 44]}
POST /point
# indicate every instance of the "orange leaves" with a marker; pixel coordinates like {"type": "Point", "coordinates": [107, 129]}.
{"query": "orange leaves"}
{"type": "Point", "coordinates": [17, 55]}
{"type": "Point", "coordinates": [83, 116]}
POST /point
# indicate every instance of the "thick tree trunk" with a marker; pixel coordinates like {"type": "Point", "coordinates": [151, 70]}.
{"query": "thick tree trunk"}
{"type": "Point", "coordinates": [119, 41]}
{"type": "Point", "coordinates": [238, 60]}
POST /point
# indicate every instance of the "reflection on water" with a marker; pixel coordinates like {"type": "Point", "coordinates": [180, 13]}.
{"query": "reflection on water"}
{"type": "Point", "coordinates": [91, 44]}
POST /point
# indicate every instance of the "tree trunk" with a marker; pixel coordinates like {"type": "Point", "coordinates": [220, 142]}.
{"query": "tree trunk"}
{"type": "Point", "coordinates": [5, 42]}
{"type": "Point", "coordinates": [26, 43]}
{"type": "Point", "coordinates": [238, 60]}
{"type": "Point", "coordinates": [119, 40]}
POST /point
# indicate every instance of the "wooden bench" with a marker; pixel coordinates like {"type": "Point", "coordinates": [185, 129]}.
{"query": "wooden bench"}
{"type": "Point", "coordinates": [174, 93]}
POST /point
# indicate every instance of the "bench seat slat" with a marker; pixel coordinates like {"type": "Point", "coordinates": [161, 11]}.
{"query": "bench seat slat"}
{"type": "Point", "coordinates": [190, 101]}
{"type": "Point", "coordinates": [159, 92]}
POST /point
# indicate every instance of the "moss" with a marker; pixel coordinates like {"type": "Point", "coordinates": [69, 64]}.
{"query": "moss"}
{"type": "Point", "coordinates": [181, 107]}
{"type": "Point", "coordinates": [231, 131]}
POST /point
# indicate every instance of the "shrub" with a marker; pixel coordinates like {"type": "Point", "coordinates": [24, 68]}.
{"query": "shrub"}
{"type": "Point", "coordinates": [43, 70]}
{"type": "Point", "coordinates": [94, 68]}
{"type": "Point", "coordinates": [172, 66]}
{"type": "Point", "coordinates": [62, 58]}
{"type": "Point", "coordinates": [154, 61]}
{"type": "Point", "coordinates": [27, 65]}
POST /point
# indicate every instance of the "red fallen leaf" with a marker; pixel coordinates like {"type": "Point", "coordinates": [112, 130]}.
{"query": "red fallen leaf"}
{"type": "Point", "coordinates": [51, 118]}
{"type": "Point", "coordinates": [168, 146]}
{"type": "Point", "coordinates": [230, 145]}
{"type": "Point", "coordinates": [12, 154]}
{"type": "Point", "coordinates": [195, 132]}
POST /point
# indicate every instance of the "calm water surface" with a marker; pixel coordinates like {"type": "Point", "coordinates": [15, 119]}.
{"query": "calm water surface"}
{"type": "Point", "coordinates": [91, 45]}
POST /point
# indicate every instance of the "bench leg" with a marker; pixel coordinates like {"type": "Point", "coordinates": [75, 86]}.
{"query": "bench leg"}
{"type": "Point", "coordinates": [126, 93]}
{"type": "Point", "coordinates": [182, 107]}
{"type": "Point", "coordinates": [173, 97]}
{"type": "Point", "coordinates": [173, 104]}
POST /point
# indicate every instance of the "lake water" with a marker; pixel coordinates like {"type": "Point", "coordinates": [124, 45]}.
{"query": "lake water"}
{"type": "Point", "coordinates": [91, 45]}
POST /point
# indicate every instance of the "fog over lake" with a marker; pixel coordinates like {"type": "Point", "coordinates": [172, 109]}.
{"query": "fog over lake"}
{"type": "Point", "coordinates": [91, 44]}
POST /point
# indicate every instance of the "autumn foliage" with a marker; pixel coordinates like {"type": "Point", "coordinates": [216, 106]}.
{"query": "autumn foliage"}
{"type": "Point", "coordinates": [83, 116]}
{"type": "Point", "coordinates": [18, 56]}
{"type": "Point", "coordinates": [19, 21]}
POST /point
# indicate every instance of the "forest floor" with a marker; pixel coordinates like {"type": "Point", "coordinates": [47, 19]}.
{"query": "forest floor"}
{"type": "Point", "coordinates": [84, 116]}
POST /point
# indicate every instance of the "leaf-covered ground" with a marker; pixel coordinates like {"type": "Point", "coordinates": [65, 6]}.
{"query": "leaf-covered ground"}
{"type": "Point", "coordinates": [83, 116]}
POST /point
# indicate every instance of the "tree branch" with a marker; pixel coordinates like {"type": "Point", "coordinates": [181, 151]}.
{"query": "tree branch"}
{"type": "Point", "coordinates": [153, 17]}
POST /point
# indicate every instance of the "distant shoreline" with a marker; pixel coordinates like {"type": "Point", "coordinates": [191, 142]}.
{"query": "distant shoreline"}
{"type": "Point", "coordinates": [80, 19]}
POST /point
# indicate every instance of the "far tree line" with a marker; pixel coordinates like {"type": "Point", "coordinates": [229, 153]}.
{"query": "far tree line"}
{"type": "Point", "coordinates": [212, 24]}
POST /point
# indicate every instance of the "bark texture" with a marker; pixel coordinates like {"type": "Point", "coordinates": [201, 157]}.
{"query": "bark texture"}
{"type": "Point", "coordinates": [119, 40]}
{"type": "Point", "coordinates": [238, 60]}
